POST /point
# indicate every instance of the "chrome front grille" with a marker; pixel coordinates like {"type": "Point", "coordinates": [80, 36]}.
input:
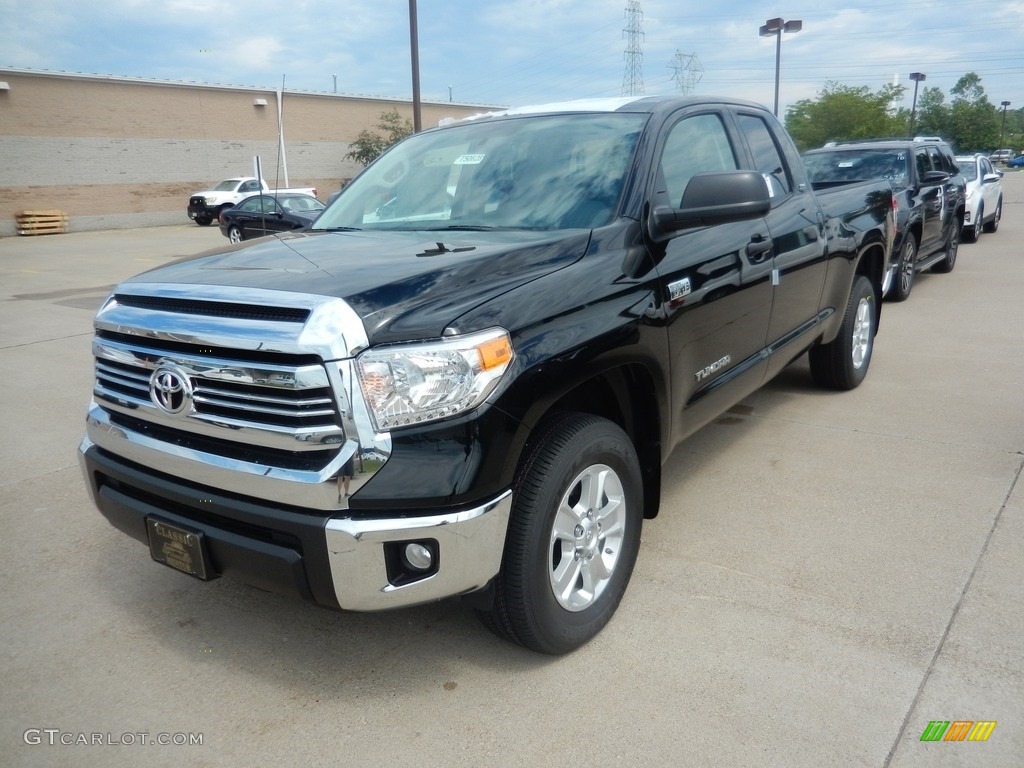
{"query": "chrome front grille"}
{"type": "Point", "coordinates": [245, 390]}
{"type": "Point", "coordinates": [285, 402]}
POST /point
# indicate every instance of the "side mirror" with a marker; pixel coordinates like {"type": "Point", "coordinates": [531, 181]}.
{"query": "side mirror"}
{"type": "Point", "coordinates": [716, 198]}
{"type": "Point", "coordinates": [991, 178]}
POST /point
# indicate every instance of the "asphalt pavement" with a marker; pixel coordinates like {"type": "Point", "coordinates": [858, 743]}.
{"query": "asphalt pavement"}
{"type": "Point", "coordinates": [830, 574]}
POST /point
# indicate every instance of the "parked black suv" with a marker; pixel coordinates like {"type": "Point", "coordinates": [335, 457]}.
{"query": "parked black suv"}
{"type": "Point", "coordinates": [928, 189]}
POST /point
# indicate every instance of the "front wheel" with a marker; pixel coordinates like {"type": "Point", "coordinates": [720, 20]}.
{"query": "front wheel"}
{"type": "Point", "coordinates": [952, 246]}
{"type": "Point", "coordinates": [235, 234]}
{"type": "Point", "coordinates": [204, 219]}
{"type": "Point", "coordinates": [993, 225]}
{"type": "Point", "coordinates": [973, 234]}
{"type": "Point", "coordinates": [573, 536]}
{"type": "Point", "coordinates": [843, 363]}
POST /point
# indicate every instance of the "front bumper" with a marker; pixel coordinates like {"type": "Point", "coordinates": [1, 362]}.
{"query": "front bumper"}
{"type": "Point", "coordinates": [195, 210]}
{"type": "Point", "coordinates": [338, 561]}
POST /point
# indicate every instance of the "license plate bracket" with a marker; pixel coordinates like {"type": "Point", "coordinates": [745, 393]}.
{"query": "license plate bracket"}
{"type": "Point", "coordinates": [180, 548]}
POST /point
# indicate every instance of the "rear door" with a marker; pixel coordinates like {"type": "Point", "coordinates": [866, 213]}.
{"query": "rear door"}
{"type": "Point", "coordinates": [714, 282]}
{"type": "Point", "coordinates": [795, 230]}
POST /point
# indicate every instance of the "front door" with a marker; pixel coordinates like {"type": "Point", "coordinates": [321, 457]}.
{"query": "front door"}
{"type": "Point", "coordinates": [715, 282]}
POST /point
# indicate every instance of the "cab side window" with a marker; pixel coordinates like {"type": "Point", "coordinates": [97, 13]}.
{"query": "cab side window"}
{"type": "Point", "coordinates": [767, 157]}
{"type": "Point", "coordinates": [697, 144]}
{"type": "Point", "coordinates": [923, 163]}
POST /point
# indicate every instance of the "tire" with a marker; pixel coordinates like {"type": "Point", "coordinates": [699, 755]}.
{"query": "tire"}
{"type": "Point", "coordinates": [204, 220]}
{"type": "Point", "coordinates": [235, 234]}
{"type": "Point", "coordinates": [951, 246]}
{"type": "Point", "coordinates": [993, 225]}
{"type": "Point", "coordinates": [843, 363]}
{"type": "Point", "coordinates": [973, 234]}
{"type": "Point", "coordinates": [573, 536]}
{"type": "Point", "coordinates": [906, 269]}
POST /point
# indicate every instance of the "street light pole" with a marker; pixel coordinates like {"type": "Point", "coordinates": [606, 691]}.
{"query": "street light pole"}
{"type": "Point", "coordinates": [417, 122]}
{"type": "Point", "coordinates": [777, 27]}
{"type": "Point", "coordinates": [1002, 127]}
{"type": "Point", "coordinates": [917, 77]}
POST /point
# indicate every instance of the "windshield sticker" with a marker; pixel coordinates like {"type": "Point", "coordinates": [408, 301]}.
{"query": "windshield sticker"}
{"type": "Point", "coordinates": [470, 159]}
{"type": "Point", "coordinates": [846, 163]}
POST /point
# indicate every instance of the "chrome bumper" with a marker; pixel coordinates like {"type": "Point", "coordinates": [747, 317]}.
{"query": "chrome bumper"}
{"type": "Point", "coordinates": [470, 548]}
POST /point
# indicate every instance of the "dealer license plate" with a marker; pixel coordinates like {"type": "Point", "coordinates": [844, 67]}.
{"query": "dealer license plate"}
{"type": "Point", "coordinates": [177, 547]}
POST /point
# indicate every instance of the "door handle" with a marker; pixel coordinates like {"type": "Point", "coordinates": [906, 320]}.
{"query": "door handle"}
{"type": "Point", "coordinates": [759, 249]}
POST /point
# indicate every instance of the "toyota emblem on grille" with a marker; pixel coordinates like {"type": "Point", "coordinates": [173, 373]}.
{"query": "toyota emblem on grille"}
{"type": "Point", "coordinates": [170, 389]}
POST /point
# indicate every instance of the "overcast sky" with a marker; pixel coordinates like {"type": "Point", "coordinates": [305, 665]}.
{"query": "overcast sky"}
{"type": "Point", "coordinates": [516, 52]}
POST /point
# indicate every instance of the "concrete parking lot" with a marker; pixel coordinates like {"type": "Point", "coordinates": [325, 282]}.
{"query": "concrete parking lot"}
{"type": "Point", "coordinates": [829, 574]}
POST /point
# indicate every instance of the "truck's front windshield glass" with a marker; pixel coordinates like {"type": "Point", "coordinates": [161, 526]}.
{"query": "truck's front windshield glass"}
{"type": "Point", "coordinates": [228, 185]}
{"type": "Point", "coordinates": [557, 172]}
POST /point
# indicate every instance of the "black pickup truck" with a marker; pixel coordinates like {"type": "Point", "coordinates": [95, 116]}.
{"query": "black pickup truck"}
{"type": "Point", "coordinates": [930, 195]}
{"type": "Point", "coordinates": [465, 378]}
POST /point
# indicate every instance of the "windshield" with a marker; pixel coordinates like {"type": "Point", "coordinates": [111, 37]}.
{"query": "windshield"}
{"type": "Point", "coordinates": [844, 166]}
{"type": "Point", "coordinates": [968, 168]}
{"type": "Point", "coordinates": [227, 185]}
{"type": "Point", "coordinates": [535, 172]}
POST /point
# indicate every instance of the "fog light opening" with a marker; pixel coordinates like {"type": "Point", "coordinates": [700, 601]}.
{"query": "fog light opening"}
{"type": "Point", "coordinates": [418, 557]}
{"type": "Point", "coordinates": [410, 561]}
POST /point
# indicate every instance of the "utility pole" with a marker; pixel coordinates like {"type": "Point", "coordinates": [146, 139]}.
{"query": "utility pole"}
{"type": "Point", "coordinates": [633, 78]}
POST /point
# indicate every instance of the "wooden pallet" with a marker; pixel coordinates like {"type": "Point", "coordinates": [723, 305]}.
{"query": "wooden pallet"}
{"type": "Point", "coordinates": [41, 222]}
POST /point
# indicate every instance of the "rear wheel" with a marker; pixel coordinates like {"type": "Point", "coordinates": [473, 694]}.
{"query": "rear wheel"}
{"type": "Point", "coordinates": [905, 270]}
{"type": "Point", "coordinates": [843, 363]}
{"type": "Point", "coordinates": [573, 536]}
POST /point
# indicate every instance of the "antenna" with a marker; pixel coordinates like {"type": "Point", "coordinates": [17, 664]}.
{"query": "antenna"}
{"type": "Point", "coordinates": [686, 71]}
{"type": "Point", "coordinates": [633, 78]}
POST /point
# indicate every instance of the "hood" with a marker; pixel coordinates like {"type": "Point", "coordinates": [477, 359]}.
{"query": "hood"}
{"type": "Point", "coordinates": [404, 285]}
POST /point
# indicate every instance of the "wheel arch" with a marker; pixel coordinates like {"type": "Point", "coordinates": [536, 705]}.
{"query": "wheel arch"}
{"type": "Point", "coordinates": [625, 395]}
{"type": "Point", "coordinates": [872, 264]}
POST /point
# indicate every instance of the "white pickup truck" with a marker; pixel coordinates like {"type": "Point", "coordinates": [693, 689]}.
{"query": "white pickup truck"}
{"type": "Point", "coordinates": [205, 206]}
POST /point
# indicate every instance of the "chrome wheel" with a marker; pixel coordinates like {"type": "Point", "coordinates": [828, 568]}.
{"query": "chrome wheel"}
{"type": "Point", "coordinates": [586, 537]}
{"type": "Point", "coordinates": [862, 333]}
{"type": "Point", "coordinates": [234, 235]}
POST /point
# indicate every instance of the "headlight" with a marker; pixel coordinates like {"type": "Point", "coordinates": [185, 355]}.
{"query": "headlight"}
{"type": "Point", "coordinates": [416, 383]}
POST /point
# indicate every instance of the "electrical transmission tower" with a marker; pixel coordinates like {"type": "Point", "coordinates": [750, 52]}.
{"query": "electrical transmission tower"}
{"type": "Point", "coordinates": [633, 78]}
{"type": "Point", "coordinates": [686, 71]}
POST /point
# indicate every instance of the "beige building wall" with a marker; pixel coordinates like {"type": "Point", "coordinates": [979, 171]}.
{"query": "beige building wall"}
{"type": "Point", "coordinates": [121, 152]}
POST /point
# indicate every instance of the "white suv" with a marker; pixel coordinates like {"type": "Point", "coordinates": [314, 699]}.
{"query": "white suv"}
{"type": "Point", "coordinates": [984, 195]}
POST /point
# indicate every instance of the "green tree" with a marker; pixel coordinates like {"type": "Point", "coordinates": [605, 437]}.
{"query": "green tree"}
{"type": "Point", "coordinates": [369, 145]}
{"type": "Point", "coordinates": [974, 120]}
{"type": "Point", "coordinates": [843, 113]}
{"type": "Point", "coordinates": [933, 116]}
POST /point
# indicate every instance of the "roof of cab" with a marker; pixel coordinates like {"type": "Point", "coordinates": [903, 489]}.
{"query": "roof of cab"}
{"type": "Point", "coordinates": [615, 104]}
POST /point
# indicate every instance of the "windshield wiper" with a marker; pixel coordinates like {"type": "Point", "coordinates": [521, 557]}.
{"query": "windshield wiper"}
{"type": "Point", "coordinates": [336, 229]}
{"type": "Point", "coordinates": [465, 228]}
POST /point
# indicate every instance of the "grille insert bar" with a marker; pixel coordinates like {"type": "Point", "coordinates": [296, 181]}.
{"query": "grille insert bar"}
{"type": "Point", "coordinates": [214, 308]}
